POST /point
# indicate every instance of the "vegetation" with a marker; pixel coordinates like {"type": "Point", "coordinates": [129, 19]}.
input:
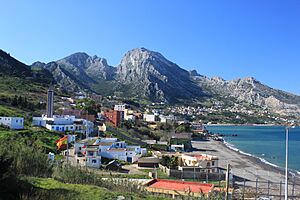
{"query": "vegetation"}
{"type": "Point", "coordinates": [170, 162]}
{"type": "Point", "coordinates": [58, 190]}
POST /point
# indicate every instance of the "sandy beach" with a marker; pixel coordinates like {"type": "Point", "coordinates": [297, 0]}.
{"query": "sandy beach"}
{"type": "Point", "coordinates": [245, 166]}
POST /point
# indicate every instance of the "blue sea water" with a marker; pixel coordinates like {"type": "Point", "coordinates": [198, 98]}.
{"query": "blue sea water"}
{"type": "Point", "coordinates": [266, 142]}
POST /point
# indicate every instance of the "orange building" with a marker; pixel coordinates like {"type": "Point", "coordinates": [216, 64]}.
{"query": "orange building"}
{"type": "Point", "coordinates": [175, 188]}
{"type": "Point", "coordinates": [114, 117]}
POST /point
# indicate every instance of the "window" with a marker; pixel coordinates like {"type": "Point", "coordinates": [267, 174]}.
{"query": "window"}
{"type": "Point", "coordinates": [94, 161]}
{"type": "Point", "coordinates": [213, 163]}
{"type": "Point", "coordinates": [17, 121]}
{"type": "Point", "coordinates": [90, 153]}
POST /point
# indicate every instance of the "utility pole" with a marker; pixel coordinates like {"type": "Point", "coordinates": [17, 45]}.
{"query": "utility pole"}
{"type": "Point", "coordinates": [227, 182]}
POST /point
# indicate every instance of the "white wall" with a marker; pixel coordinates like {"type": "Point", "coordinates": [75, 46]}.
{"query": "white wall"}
{"type": "Point", "coordinates": [94, 162]}
{"type": "Point", "coordinates": [12, 122]}
{"type": "Point", "coordinates": [149, 117]}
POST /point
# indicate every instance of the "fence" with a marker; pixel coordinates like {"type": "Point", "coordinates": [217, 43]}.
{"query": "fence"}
{"type": "Point", "coordinates": [246, 189]}
{"type": "Point", "coordinates": [193, 174]}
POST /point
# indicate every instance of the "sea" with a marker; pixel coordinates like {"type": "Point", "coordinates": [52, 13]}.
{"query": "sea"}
{"type": "Point", "coordinates": [264, 142]}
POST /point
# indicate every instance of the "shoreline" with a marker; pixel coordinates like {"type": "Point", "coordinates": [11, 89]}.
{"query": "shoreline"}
{"type": "Point", "coordinates": [260, 161]}
{"type": "Point", "coordinates": [244, 165]}
{"type": "Point", "coordinates": [267, 125]}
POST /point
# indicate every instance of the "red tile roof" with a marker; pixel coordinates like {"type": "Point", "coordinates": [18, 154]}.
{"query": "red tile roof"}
{"type": "Point", "coordinates": [201, 157]}
{"type": "Point", "coordinates": [185, 186]}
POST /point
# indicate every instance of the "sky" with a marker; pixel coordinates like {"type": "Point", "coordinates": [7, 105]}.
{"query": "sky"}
{"type": "Point", "coordinates": [230, 39]}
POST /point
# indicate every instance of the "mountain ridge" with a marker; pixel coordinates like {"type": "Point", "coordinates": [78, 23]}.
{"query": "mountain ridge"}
{"type": "Point", "coordinates": [148, 74]}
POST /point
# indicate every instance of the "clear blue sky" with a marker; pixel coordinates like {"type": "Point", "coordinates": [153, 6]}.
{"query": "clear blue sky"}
{"type": "Point", "coordinates": [259, 38]}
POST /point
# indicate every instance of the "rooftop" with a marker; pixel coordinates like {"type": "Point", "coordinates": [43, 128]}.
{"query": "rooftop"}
{"type": "Point", "coordinates": [105, 143]}
{"type": "Point", "coordinates": [202, 156]}
{"type": "Point", "coordinates": [148, 160]}
{"type": "Point", "coordinates": [184, 186]}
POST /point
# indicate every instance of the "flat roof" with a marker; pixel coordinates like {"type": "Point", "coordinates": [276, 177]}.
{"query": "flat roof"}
{"type": "Point", "coordinates": [185, 186]}
{"type": "Point", "coordinates": [105, 143]}
{"type": "Point", "coordinates": [148, 160]}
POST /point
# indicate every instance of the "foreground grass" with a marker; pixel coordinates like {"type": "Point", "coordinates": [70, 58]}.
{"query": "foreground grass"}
{"type": "Point", "coordinates": [80, 191]}
{"type": "Point", "coordinates": [32, 136]}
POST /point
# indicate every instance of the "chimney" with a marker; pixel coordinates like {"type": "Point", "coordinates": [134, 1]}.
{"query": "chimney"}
{"type": "Point", "coordinates": [50, 99]}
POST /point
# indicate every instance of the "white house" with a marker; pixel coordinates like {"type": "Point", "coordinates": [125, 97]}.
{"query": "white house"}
{"type": "Point", "coordinates": [166, 119]}
{"type": "Point", "coordinates": [12, 122]}
{"type": "Point", "coordinates": [150, 117]}
{"type": "Point", "coordinates": [113, 149]}
{"type": "Point", "coordinates": [125, 154]}
{"type": "Point", "coordinates": [64, 123]}
{"type": "Point", "coordinates": [177, 147]}
{"type": "Point", "coordinates": [207, 163]}
{"type": "Point", "coordinates": [120, 107]}
{"type": "Point", "coordinates": [93, 158]}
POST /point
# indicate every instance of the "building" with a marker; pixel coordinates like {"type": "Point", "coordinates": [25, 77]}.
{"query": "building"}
{"type": "Point", "coordinates": [148, 162]}
{"type": "Point", "coordinates": [198, 128]}
{"type": "Point", "coordinates": [50, 102]}
{"type": "Point", "coordinates": [175, 188]}
{"type": "Point", "coordinates": [177, 147]}
{"type": "Point", "coordinates": [207, 163]}
{"type": "Point", "coordinates": [12, 122]}
{"type": "Point", "coordinates": [129, 115]}
{"type": "Point", "coordinates": [181, 139]}
{"type": "Point", "coordinates": [86, 155]}
{"type": "Point", "coordinates": [63, 123]}
{"type": "Point", "coordinates": [167, 119]}
{"type": "Point", "coordinates": [111, 148]}
{"type": "Point", "coordinates": [115, 117]}
{"type": "Point", "coordinates": [150, 117]}
{"type": "Point", "coordinates": [92, 155]}
{"type": "Point", "coordinates": [121, 107]}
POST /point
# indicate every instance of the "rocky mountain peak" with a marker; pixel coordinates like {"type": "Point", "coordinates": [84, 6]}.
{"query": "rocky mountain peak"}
{"type": "Point", "coordinates": [155, 76]}
{"type": "Point", "coordinates": [77, 59]}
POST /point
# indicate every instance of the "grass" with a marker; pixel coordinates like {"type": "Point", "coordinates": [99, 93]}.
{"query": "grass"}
{"type": "Point", "coordinates": [33, 136]}
{"type": "Point", "coordinates": [160, 174]}
{"type": "Point", "coordinates": [10, 86]}
{"type": "Point", "coordinates": [10, 111]}
{"type": "Point", "coordinates": [80, 191]}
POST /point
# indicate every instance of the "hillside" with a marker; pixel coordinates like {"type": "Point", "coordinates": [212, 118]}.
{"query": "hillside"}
{"type": "Point", "coordinates": [19, 80]}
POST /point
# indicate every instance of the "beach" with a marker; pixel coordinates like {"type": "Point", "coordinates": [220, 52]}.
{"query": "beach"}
{"type": "Point", "coordinates": [245, 167]}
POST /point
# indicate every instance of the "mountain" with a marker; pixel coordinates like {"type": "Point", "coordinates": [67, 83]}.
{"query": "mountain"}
{"type": "Point", "coordinates": [78, 71]}
{"type": "Point", "coordinates": [143, 73]}
{"type": "Point", "coordinates": [148, 74]}
{"type": "Point", "coordinates": [252, 91]}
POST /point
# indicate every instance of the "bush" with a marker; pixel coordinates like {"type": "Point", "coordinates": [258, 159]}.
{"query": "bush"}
{"type": "Point", "coordinates": [26, 160]}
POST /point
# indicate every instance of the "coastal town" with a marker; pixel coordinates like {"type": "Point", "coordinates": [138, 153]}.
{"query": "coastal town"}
{"type": "Point", "coordinates": [174, 156]}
